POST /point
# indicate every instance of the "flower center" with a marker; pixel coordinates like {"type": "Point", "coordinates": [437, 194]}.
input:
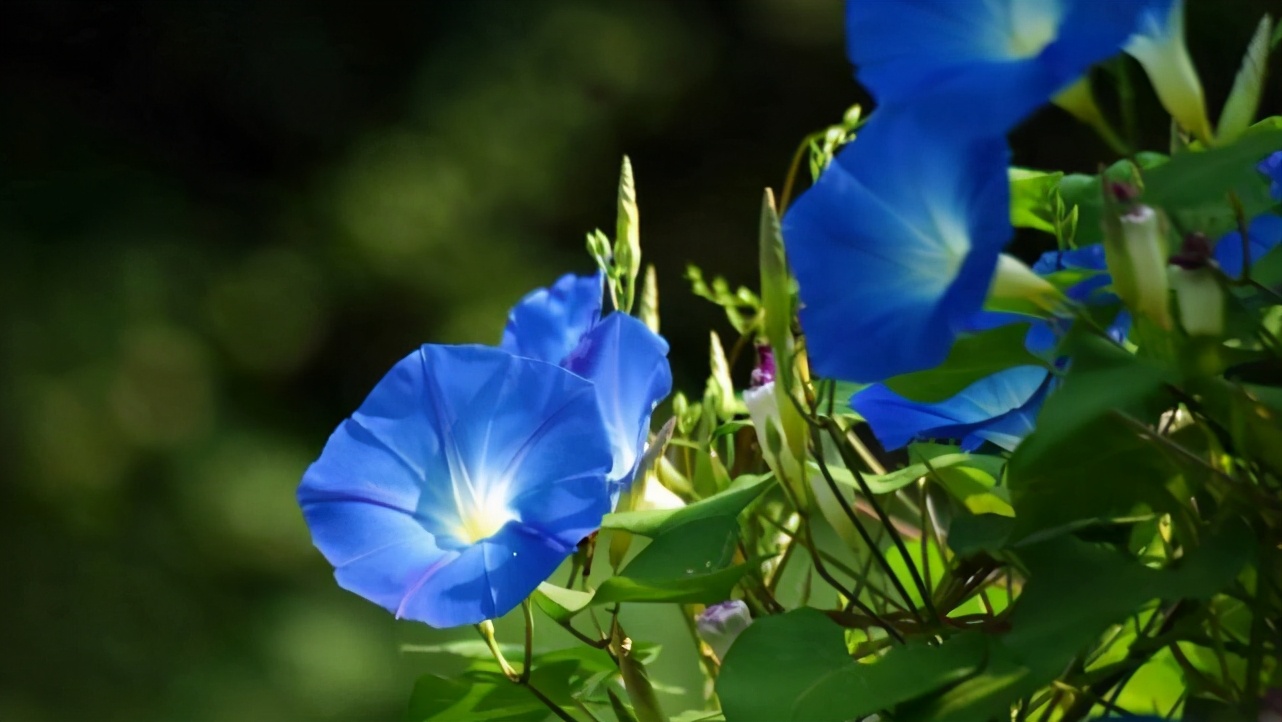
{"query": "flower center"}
{"type": "Point", "coordinates": [482, 520]}
{"type": "Point", "coordinates": [1033, 26]}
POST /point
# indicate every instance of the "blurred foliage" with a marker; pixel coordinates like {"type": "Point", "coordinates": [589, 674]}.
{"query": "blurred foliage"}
{"type": "Point", "coordinates": [221, 222]}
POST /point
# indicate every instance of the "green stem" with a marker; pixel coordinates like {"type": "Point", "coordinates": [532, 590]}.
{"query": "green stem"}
{"type": "Point", "coordinates": [486, 629]}
{"type": "Point", "coordinates": [838, 436]}
{"type": "Point", "coordinates": [529, 641]}
{"type": "Point", "coordinates": [776, 574]}
{"type": "Point", "coordinates": [708, 664]}
{"type": "Point", "coordinates": [1259, 628]}
{"type": "Point", "coordinates": [860, 528]}
{"type": "Point", "coordinates": [791, 178]}
{"type": "Point", "coordinates": [859, 579]}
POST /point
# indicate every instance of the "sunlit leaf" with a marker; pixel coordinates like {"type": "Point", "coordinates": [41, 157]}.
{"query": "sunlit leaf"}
{"type": "Point", "coordinates": [728, 503]}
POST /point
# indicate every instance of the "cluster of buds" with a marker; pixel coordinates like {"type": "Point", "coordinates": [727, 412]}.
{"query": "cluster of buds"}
{"type": "Point", "coordinates": [1145, 272]}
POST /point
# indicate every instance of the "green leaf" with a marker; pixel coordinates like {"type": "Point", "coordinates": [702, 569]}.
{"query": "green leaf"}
{"type": "Point", "coordinates": [775, 661]}
{"type": "Point", "coordinates": [1244, 99]}
{"type": "Point", "coordinates": [484, 693]}
{"type": "Point", "coordinates": [1053, 483]}
{"type": "Point", "coordinates": [728, 503]}
{"type": "Point", "coordinates": [622, 712]}
{"type": "Point", "coordinates": [730, 428]}
{"type": "Point", "coordinates": [701, 545]}
{"type": "Point", "coordinates": [971, 534]}
{"type": "Point", "coordinates": [1031, 195]}
{"type": "Point", "coordinates": [1102, 377]}
{"type": "Point", "coordinates": [894, 480]}
{"type": "Point", "coordinates": [698, 715]}
{"type": "Point", "coordinates": [560, 603]}
{"type": "Point", "coordinates": [1255, 424]}
{"type": "Point", "coordinates": [1267, 270]}
{"type": "Point", "coordinates": [441, 698]}
{"type": "Point", "coordinates": [902, 674]}
{"type": "Point", "coordinates": [694, 588]}
{"type": "Point", "coordinates": [1058, 616]}
{"type": "Point", "coordinates": [975, 488]}
{"type": "Point", "coordinates": [1194, 186]}
{"type": "Point", "coordinates": [972, 358]}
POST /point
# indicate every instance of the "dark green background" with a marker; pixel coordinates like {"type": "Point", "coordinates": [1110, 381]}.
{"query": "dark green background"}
{"type": "Point", "coordinates": [221, 222]}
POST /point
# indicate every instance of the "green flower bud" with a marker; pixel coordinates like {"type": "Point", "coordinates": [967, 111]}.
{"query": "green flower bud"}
{"type": "Point", "coordinates": [1200, 299]}
{"type": "Point", "coordinates": [1160, 48]}
{"type": "Point", "coordinates": [1014, 280]}
{"type": "Point", "coordinates": [1135, 249]}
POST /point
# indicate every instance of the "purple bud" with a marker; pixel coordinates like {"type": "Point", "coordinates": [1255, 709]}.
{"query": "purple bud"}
{"type": "Point", "coordinates": [720, 624]}
{"type": "Point", "coordinates": [1195, 253]}
{"type": "Point", "coordinates": [764, 373]}
{"type": "Point", "coordinates": [1123, 192]}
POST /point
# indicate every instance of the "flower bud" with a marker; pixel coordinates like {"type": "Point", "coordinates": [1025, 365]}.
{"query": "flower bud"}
{"type": "Point", "coordinates": [1135, 249]}
{"type": "Point", "coordinates": [1015, 280]}
{"type": "Point", "coordinates": [1160, 48]}
{"type": "Point", "coordinates": [720, 624]}
{"type": "Point", "coordinates": [763, 409]}
{"type": "Point", "coordinates": [764, 372]}
{"type": "Point", "coordinates": [1200, 299]}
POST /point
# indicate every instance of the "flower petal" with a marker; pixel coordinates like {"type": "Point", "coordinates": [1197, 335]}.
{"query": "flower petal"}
{"type": "Point", "coordinates": [895, 245]}
{"type": "Point", "coordinates": [896, 421]}
{"type": "Point", "coordinates": [509, 424]}
{"type": "Point", "coordinates": [377, 552]}
{"type": "Point", "coordinates": [1271, 167]}
{"type": "Point", "coordinates": [1009, 429]}
{"type": "Point", "coordinates": [1263, 235]}
{"type": "Point", "coordinates": [990, 62]}
{"type": "Point", "coordinates": [486, 580]}
{"type": "Point", "coordinates": [549, 322]}
{"type": "Point", "coordinates": [628, 365]}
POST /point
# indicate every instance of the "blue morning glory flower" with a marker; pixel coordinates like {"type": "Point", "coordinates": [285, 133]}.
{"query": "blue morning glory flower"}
{"type": "Point", "coordinates": [895, 246]}
{"type": "Point", "coordinates": [626, 361]}
{"type": "Point", "coordinates": [1272, 167]}
{"type": "Point", "coordinates": [1000, 409]}
{"type": "Point", "coordinates": [470, 472]}
{"type": "Point", "coordinates": [1263, 235]}
{"type": "Point", "coordinates": [460, 484]}
{"type": "Point", "coordinates": [990, 62]}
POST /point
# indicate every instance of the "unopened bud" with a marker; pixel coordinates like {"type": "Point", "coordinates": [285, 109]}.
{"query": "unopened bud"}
{"type": "Point", "coordinates": [763, 409]}
{"type": "Point", "coordinates": [1015, 281]}
{"type": "Point", "coordinates": [1195, 253]}
{"type": "Point", "coordinates": [1122, 192]}
{"type": "Point", "coordinates": [720, 624]}
{"type": "Point", "coordinates": [1135, 250]}
{"type": "Point", "coordinates": [1200, 299]}
{"type": "Point", "coordinates": [1160, 48]}
{"type": "Point", "coordinates": [764, 373]}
